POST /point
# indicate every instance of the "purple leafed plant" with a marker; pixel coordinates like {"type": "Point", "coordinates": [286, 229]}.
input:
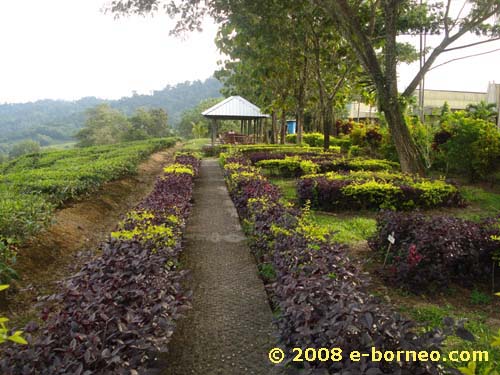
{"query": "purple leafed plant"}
{"type": "Point", "coordinates": [119, 311]}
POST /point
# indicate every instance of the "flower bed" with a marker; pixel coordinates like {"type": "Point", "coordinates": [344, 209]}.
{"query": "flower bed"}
{"type": "Point", "coordinates": [121, 307]}
{"type": "Point", "coordinates": [368, 190]}
{"type": "Point", "coordinates": [319, 294]}
{"type": "Point", "coordinates": [431, 252]}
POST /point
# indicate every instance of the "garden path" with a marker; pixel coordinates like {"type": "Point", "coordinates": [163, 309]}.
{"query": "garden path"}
{"type": "Point", "coordinates": [229, 329]}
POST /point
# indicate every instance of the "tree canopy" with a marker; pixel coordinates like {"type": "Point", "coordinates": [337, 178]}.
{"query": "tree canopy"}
{"type": "Point", "coordinates": [270, 43]}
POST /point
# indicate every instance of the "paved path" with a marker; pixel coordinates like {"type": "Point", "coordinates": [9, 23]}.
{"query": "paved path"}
{"type": "Point", "coordinates": [229, 330]}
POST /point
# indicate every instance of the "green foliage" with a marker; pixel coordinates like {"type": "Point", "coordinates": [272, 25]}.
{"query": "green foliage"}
{"type": "Point", "coordinates": [287, 167]}
{"type": "Point", "coordinates": [483, 111]}
{"type": "Point", "coordinates": [105, 125]}
{"type": "Point", "coordinates": [148, 123]}
{"type": "Point", "coordinates": [33, 185]}
{"type": "Point", "coordinates": [382, 189]}
{"type": "Point", "coordinates": [193, 117]}
{"type": "Point", "coordinates": [317, 140]}
{"type": "Point", "coordinates": [267, 271]}
{"type": "Point", "coordinates": [23, 148]}
{"type": "Point", "coordinates": [347, 230]}
{"type": "Point", "coordinates": [52, 122]}
{"type": "Point", "coordinates": [474, 146]}
{"type": "Point", "coordinates": [17, 336]}
{"type": "Point", "coordinates": [432, 316]}
{"type": "Point", "coordinates": [479, 298]}
{"type": "Point", "coordinates": [199, 130]}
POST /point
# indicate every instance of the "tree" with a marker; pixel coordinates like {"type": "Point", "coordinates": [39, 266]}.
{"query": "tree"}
{"type": "Point", "coordinates": [371, 28]}
{"type": "Point", "coordinates": [199, 130]}
{"type": "Point", "coordinates": [483, 111]}
{"type": "Point", "coordinates": [365, 24]}
{"type": "Point", "coordinates": [23, 148]}
{"type": "Point", "coordinates": [150, 123]}
{"type": "Point", "coordinates": [194, 116]}
{"type": "Point", "coordinates": [103, 125]}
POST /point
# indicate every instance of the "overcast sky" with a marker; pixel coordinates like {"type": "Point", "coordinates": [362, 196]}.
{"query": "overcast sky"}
{"type": "Point", "coordinates": [67, 49]}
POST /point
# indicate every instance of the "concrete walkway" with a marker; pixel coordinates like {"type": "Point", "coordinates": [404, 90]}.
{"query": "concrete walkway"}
{"type": "Point", "coordinates": [229, 330]}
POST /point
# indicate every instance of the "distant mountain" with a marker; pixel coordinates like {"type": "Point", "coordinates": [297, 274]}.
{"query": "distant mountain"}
{"type": "Point", "coordinates": [56, 121]}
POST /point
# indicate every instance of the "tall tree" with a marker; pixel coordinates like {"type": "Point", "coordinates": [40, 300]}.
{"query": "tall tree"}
{"type": "Point", "coordinates": [371, 27]}
{"type": "Point", "coordinates": [366, 23]}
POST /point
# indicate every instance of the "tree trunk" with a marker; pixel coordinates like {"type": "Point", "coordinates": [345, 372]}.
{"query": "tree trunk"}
{"type": "Point", "coordinates": [283, 127]}
{"type": "Point", "coordinates": [274, 123]}
{"type": "Point", "coordinates": [327, 126]}
{"type": "Point", "coordinates": [409, 157]}
{"type": "Point", "coordinates": [300, 124]}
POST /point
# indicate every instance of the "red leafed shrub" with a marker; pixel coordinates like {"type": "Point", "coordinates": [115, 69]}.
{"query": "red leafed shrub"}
{"type": "Point", "coordinates": [431, 252]}
{"type": "Point", "coordinates": [319, 293]}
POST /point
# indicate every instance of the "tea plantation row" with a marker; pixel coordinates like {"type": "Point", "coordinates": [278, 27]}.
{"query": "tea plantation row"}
{"type": "Point", "coordinates": [33, 185]}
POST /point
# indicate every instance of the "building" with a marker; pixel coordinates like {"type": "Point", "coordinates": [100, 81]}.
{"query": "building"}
{"type": "Point", "coordinates": [434, 101]}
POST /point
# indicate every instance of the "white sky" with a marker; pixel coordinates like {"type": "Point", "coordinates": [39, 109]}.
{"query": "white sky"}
{"type": "Point", "coordinates": [67, 49]}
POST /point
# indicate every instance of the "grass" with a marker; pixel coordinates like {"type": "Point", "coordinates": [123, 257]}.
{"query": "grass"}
{"type": "Point", "coordinates": [349, 230]}
{"type": "Point", "coordinates": [288, 187]}
{"type": "Point", "coordinates": [431, 316]}
{"type": "Point", "coordinates": [483, 203]}
{"type": "Point", "coordinates": [195, 144]}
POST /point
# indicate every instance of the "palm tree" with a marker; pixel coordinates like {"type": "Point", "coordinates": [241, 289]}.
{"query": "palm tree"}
{"type": "Point", "coordinates": [483, 110]}
{"type": "Point", "coordinates": [199, 130]}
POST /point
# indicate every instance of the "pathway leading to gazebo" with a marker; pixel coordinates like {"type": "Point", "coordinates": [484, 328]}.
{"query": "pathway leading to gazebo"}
{"type": "Point", "coordinates": [229, 330]}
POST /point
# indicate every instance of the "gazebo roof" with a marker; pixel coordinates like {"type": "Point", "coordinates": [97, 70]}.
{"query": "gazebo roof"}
{"type": "Point", "coordinates": [234, 108]}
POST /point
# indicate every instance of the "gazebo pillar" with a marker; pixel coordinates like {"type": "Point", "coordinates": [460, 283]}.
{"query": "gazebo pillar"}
{"type": "Point", "coordinates": [214, 131]}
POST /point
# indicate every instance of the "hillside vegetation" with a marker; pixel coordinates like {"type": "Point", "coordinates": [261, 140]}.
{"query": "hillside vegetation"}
{"type": "Point", "coordinates": [51, 122]}
{"type": "Point", "coordinates": [33, 185]}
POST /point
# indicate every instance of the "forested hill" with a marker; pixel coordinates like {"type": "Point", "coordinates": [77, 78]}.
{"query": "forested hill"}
{"type": "Point", "coordinates": [55, 121]}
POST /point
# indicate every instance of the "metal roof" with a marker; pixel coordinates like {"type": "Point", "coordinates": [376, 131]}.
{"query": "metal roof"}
{"type": "Point", "coordinates": [234, 107]}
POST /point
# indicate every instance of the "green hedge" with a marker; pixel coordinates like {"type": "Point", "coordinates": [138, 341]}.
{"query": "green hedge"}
{"type": "Point", "coordinates": [317, 140]}
{"type": "Point", "coordinates": [379, 190]}
{"type": "Point", "coordinates": [295, 166]}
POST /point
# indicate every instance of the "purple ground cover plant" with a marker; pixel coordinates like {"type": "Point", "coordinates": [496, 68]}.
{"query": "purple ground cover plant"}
{"type": "Point", "coordinates": [119, 311]}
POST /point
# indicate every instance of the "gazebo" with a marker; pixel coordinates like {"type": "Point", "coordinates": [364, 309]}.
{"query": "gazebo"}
{"type": "Point", "coordinates": [237, 108]}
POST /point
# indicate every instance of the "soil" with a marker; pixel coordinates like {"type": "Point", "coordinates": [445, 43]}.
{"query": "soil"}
{"type": "Point", "coordinates": [78, 228]}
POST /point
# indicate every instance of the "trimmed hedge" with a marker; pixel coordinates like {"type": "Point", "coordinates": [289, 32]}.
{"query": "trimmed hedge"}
{"type": "Point", "coordinates": [295, 166]}
{"type": "Point", "coordinates": [431, 252]}
{"type": "Point", "coordinates": [318, 139]}
{"type": "Point", "coordinates": [119, 310]}
{"type": "Point", "coordinates": [319, 293]}
{"type": "Point", "coordinates": [379, 190]}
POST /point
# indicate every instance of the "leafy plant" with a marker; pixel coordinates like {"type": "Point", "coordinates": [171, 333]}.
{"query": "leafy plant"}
{"type": "Point", "coordinates": [431, 252]}
{"type": "Point", "coordinates": [319, 293]}
{"type": "Point", "coordinates": [5, 335]}
{"type": "Point", "coordinates": [473, 148]}
{"type": "Point", "coordinates": [479, 298]}
{"type": "Point", "coordinates": [119, 310]}
{"type": "Point", "coordinates": [375, 190]}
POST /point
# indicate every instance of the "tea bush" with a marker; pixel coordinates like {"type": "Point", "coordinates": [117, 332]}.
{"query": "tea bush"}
{"type": "Point", "coordinates": [33, 185]}
{"type": "Point", "coordinates": [119, 310]}
{"type": "Point", "coordinates": [431, 252]}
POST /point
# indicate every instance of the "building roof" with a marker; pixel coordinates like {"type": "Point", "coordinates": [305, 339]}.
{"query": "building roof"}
{"type": "Point", "coordinates": [234, 108]}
